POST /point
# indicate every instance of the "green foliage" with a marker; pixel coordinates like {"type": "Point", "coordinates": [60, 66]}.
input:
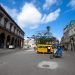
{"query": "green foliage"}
{"type": "Point", "coordinates": [44, 37]}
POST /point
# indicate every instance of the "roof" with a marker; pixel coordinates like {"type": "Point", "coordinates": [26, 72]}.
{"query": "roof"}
{"type": "Point", "coordinates": [72, 22]}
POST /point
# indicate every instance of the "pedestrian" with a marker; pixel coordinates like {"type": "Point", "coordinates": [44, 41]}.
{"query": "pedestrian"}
{"type": "Point", "coordinates": [48, 49]}
{"type": "Point", "coordinates": [55, 49]}
{"type": "Point", "coordinates": [51, 53]}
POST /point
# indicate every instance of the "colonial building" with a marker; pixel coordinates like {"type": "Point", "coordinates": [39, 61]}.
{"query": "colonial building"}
{"type": "Point", "coordinates": [68, 38]}
{"type": "Point", "coordinates": [30, 42]}
{"type": "Point", "coordinates": [10, 32]}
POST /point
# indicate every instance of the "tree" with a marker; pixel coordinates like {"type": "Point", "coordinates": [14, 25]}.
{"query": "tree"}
{"type": "Point", "coordinates": [43, 37]}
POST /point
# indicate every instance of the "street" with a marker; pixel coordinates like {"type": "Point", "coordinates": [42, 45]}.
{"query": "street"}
{"type": "Point", "coordinates": [28, 62]}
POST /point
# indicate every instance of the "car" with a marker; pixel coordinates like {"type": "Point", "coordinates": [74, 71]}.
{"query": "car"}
{"type": "Point", "coordinates": [11, 47]}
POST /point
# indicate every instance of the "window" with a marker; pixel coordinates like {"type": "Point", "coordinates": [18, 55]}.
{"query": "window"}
{"type": "Point", "coordinates": [5, 21]}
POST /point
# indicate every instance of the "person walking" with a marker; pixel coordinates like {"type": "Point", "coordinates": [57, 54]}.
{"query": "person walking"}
{"type": "Point", "coordinates": [51, 53]}
{"type": "Point", "coordinates": [48, 49]}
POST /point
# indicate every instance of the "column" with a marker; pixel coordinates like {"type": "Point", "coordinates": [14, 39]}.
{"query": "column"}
{"type": "Point", "coordinates": [5, 41]}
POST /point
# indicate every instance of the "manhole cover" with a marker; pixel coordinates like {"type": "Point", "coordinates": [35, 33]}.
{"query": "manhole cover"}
{"type": "Point", "coordinates": [48, 65]}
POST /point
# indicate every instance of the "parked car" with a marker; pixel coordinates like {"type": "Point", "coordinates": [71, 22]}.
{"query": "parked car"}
{"type": "Point", "coordinates": [11, 47]}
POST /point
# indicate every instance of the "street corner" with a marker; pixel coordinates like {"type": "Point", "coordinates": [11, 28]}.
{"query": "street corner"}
{"type": "Point", "coordinates": [48, 65]}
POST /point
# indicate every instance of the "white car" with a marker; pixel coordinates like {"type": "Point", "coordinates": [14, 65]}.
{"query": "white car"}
{"type": "Point", "coordinates": [11, 46]}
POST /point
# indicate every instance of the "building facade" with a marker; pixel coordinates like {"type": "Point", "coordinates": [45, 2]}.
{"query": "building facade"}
{"type": "Point", "coordinates": [10, 32]}
{"type": "Point", "coordinates": [29, 42]}
{"type": "Point", "coordinates": [68, 39]}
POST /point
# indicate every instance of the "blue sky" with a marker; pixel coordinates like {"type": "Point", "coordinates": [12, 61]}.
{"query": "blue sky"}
{"type": "Point", "coordinates": [35, 15]}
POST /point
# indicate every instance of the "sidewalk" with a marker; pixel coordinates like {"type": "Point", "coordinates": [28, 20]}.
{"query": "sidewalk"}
{"type": "Point", "coordinates": [7, 51]}
{"type": "Point", "coordinates": [71, 53]}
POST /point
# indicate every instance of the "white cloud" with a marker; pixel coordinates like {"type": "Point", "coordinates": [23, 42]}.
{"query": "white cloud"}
{"type": "Point", "coordinates": [43, 20]}
{"type": "Point", "coordinates": [72, 3]}
{"type": "Point", "coordinates": [51, 16]}
{"type": "Point", "coordinates": [29, 16]}
{"type": "Point", "coordinates": [49, 3]}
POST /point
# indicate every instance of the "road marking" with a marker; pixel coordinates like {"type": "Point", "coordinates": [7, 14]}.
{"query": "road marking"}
{"type": "Point", "coordinates": [48, 65]}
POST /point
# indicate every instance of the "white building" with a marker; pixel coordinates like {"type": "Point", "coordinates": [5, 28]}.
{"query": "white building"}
{"type": "Point", "coordinates": [29, 42]}
{"type": "Point", "coordinates": [69, 36]}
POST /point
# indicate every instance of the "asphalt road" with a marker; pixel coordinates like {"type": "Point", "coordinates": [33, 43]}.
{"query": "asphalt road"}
{"type": "Point", "coordinates": [28, 62]}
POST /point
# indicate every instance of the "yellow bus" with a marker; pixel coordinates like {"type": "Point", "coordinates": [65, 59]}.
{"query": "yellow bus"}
{"type": "Point", "coordinates": [44, 48]}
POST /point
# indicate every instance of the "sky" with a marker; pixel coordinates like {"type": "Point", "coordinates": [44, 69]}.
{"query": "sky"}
{"type": "Point", "coordinates": [35, 15]}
